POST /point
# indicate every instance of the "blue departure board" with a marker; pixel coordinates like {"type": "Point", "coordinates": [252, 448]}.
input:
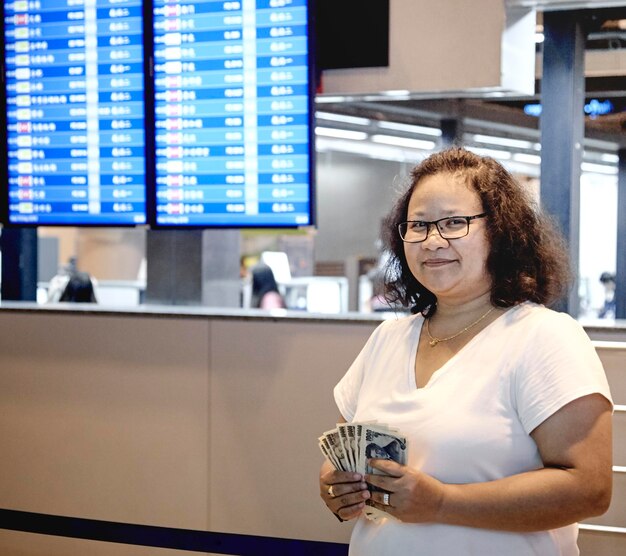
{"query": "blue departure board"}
{"type": "Point", "coordinates": [75, 112]}
{"type": "Point", "coordinates": [232, 113]}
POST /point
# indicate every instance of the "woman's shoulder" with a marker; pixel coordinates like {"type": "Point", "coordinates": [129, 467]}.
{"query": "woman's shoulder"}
{"type": "Point", "coordinates": [543, 320]}
{"type": "Point", "coordinates": [400, 321]}
{"type": "Point", "coordinates": [396, 326]}
{"type": "Point", "coordinates": [535, 311]}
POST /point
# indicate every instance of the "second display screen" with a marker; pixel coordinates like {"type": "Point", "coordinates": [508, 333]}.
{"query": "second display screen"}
{"type": "Point", "coordinates": [232, 113]}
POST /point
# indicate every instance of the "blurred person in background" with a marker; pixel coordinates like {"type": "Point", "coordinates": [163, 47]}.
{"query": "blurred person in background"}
{"type": "Point", "coordinates": [265, 293]}
{"type": "Point", "coordinates": [608, 309]}
{"type": "Point", "coordinates": [71, 285]}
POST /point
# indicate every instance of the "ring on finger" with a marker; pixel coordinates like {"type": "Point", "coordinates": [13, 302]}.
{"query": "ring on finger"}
{"type": "Point", "coordinates": [386, 499]}
{"type": "Point", "coordinates": [331, 492]}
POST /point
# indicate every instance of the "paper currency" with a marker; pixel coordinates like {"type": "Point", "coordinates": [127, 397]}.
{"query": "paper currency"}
{"type": "Point", "coordinates": [349, 446]}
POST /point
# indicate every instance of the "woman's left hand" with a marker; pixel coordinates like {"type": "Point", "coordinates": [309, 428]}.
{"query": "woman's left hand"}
{"type": "Point", "coordinates": [414, 497]}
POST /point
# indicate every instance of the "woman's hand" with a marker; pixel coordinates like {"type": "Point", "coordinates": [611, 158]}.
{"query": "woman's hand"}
{"type": "Point", "coordinates": [344, 492]}
{"type": "Point", "coordinates": [414, 497]}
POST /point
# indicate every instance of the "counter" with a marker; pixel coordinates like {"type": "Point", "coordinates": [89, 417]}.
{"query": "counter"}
{"type": "Point", "coordinates": [177, 417]}
{"type": "Point", "coordinates": [601, 329]}
{"type": "Point", "coordinates": [187, 417]}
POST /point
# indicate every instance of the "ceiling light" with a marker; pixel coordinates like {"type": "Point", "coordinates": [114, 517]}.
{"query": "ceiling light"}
{"type": "Point", "coordinates": [503, 141]}
{"type": "Point", "coordinates": [341, 133]}
{"type": "Point", "coordinates": [408, 128]}
{"type": "Point", "coordinates": [398, 94]}
{"type": "Point", "coordinates": [612, 158]}
{"type": "Point", "coordinates": [403, 142]}
{"type": "Point", "coordinates": [493, 153]}
{"type": "Point", "coordinates": [371, 150]}
{"type": "Point", "coordinates": [342, 118]}
{"type": "Point", "coordinates": [322, 99]}
{"type": "Point", "coordinates": [527, 158]}
{"type": "Point", "coordinates": [598, 168]}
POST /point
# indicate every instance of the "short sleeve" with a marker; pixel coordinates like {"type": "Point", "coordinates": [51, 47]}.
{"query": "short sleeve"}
{"type": "Point", "coordinates": [560, 365]}
{"type": "Point", "coordinates": [346, 392]}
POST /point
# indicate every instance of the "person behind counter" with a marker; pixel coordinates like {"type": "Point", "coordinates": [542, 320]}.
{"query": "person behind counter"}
{"type": "Point", "coordinates": [265, 294]}
{"type": "Point", "coordinates": [607, 279]}
{"type": "Point", "coordinates": [504, 402]}
{"type": "Point", "coordinates": [71, 285]}
{"type": "Point", "coordinates": [79, 289]}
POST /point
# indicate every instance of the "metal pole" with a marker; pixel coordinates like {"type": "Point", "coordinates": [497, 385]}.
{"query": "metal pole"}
{"type": "Point", "coordinates": [620, 267]}
{"type": "Point", "coordinates": [19, 264]}
{"type": "Point", "coordinates": [562, 130]}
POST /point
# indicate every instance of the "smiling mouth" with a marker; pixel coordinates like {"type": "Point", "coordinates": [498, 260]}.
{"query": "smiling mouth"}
{"type": "Point", "coordinates": [437, 262]}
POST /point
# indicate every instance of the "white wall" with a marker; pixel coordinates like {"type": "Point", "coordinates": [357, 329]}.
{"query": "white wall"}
{"type": "Point", "coordinates": [598, 235]}
{"type": "Point", "coordinates": [354, 193]}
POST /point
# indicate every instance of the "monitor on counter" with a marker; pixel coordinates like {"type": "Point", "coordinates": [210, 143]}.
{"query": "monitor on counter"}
{"type": "Point", "coordinates": [233, 104]}
{"type": "Point", "coordinates": [74, 90]}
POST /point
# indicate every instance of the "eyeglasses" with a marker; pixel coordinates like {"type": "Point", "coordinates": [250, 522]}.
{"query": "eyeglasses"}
{"type": "Point", "coordinates": [450, 227]}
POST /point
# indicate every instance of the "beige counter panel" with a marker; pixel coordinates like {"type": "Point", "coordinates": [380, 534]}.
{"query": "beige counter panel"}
{"type": "Point", "coordinates": [271, 395]}
{"type": "Point", "coordinates": [105, 418]}
{"type": "Point", "coordinates": [197, 423]}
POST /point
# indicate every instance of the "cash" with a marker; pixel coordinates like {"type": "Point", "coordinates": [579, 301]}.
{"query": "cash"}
{"type": "Point", "coordinates": [349, 446]}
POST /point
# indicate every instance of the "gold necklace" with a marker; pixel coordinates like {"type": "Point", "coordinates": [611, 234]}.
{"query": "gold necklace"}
{"type": "Point", "coordinates": [434, 341]}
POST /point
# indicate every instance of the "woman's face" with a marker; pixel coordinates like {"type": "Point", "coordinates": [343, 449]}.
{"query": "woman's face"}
{"type": "Point", "coordinates": [453, 270]}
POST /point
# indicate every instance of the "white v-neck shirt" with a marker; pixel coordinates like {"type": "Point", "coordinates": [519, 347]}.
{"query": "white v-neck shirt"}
{"type": "Point", "coordinates": [472, 421]}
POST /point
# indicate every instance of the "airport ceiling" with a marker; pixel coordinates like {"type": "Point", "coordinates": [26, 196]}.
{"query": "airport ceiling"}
{"type": "Point", "coordinates": [606, 31]}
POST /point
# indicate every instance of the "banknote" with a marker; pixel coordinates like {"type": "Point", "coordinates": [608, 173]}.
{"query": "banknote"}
{"type": "Point", "coordinates": [349, 446]}
{"type": "Point", "coordinates": [334, 450]}
{"type": "Point", "coordinates": [382, 444]}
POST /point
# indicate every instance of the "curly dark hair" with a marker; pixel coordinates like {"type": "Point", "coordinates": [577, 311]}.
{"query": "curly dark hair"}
{"type": "Point", "coordinates": [529, 258]}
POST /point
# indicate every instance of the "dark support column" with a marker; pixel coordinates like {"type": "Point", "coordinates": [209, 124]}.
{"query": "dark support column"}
{"type": "Point", "coordinates": [19, 264]}
{"type": "Point", "coordinates": [562, 130]}
{"type": "Point", "coordinates": [193, 267]}
{"type": "Point", "coordinates": [451, 133]}
{"type": "Point", "coordinates": [620, 274]}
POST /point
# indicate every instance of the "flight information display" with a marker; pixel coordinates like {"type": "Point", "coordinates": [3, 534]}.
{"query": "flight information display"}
{"type": "Point", "coordinates": [75, 112]}
{"type": "Point", "coordinates": [232, 113]}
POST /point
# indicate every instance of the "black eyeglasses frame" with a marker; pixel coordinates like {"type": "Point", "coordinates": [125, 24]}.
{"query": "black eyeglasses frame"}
{"type": "Point", "coordinates": [430, 223]}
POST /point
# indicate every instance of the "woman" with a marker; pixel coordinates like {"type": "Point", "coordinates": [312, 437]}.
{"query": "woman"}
{"type": "Point", "coordinates": [265, 294]}
{"type": "Point", "coordinates": [504, 402]}
{"type": "Point", "coordinates": [79, 289]}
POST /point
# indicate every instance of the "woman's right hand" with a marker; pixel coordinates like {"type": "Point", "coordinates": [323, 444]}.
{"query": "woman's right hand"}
{"type": "Point", "coordinates": [344, 492]}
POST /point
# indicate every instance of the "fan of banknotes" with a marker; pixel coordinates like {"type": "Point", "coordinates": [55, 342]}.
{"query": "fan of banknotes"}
{"type": "Point", "coordinates": [349, 446]}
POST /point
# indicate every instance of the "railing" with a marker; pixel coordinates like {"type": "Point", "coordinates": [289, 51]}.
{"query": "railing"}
{"type": "Point", "coordinates": [606, 535]}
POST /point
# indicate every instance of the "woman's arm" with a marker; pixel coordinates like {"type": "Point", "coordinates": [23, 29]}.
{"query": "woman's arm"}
{"type": "Point", "coordinates": [272, 300]}
{"type": "Point", "coordinates": [576, 448]}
